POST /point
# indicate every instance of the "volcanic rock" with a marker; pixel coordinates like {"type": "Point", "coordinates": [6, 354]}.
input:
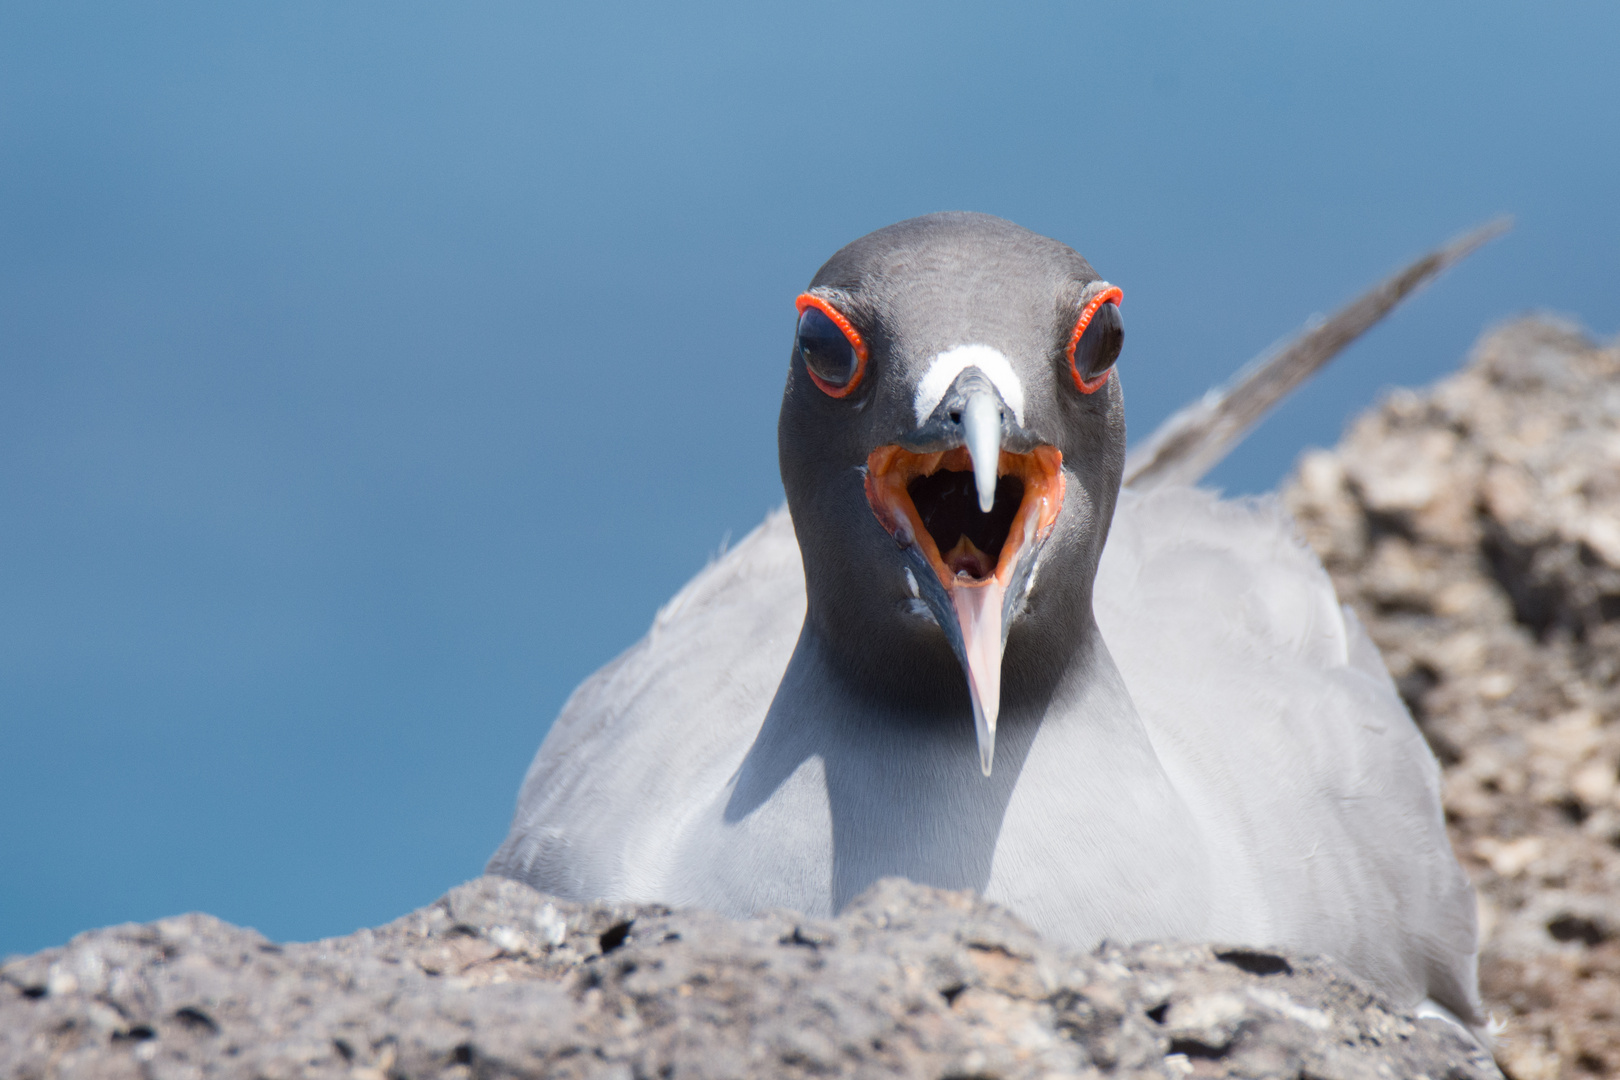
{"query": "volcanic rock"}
{"type": "Point", "coordinates": [497, 980]}
{"type": "Point", "coordinates": [1475, 529]}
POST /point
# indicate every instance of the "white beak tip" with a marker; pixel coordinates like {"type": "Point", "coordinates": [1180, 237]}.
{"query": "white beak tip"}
{"type": "Point", "coordinates": [981, 422]}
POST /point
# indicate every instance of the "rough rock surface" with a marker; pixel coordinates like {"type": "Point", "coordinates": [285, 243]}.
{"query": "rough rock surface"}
{"type": "Point", "coordinates": [497, 980]}
{"type": "Point", "coordinates": [1475, 528]}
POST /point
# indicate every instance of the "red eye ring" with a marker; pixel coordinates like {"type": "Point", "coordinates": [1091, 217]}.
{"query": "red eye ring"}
{"type": "Point", "coordinates": [1110, 295]}
{"type": "Point", "coordinates": [808, 300]}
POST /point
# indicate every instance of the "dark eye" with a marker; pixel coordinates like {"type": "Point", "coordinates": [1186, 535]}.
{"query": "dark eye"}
{"type": "Point", "coordinates": [833, 353]}
{"type": "Point", "coordinates": [1097, 342]}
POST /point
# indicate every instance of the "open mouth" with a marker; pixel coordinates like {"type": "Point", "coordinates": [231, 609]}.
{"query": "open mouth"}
{"type": "Point", "coordinates": [930, 500]}
{"type": "Point", "coordinates": [930, 503]}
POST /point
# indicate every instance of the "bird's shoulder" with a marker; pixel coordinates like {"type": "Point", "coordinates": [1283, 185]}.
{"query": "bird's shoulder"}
{"type": "Point", "coordinates": [1277, 721]}
{"type": "Point", "coordinates": [666, 721]}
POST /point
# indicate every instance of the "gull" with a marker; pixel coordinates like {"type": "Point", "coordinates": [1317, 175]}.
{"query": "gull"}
{"type": "Point", "coordinates": [967, 654]}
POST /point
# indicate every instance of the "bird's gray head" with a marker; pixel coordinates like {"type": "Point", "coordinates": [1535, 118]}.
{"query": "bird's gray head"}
{"type": "Point", "coordinates": [951, 442]}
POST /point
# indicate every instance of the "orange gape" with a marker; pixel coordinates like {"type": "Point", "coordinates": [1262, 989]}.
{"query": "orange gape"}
{"type": "Point", "coordinates": [890, 469]}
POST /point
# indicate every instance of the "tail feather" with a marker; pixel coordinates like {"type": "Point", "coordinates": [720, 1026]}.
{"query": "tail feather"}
{"type": "Point", "coordinates": [1194, 439]}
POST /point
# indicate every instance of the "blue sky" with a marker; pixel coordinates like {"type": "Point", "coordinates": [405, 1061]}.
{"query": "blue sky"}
{"type": "Point", "coordinates": [370, 373]}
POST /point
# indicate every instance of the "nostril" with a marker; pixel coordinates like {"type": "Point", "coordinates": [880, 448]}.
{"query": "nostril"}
{"type": "Point", "coordinates": [956, 417]}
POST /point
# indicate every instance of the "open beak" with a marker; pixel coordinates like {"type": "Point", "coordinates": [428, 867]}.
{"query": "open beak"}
{"type": "Point", "coordinates": [971, 517]}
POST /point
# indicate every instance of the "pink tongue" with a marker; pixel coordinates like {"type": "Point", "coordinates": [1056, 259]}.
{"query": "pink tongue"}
{"type": "Point", "coordinates": [978, 611]}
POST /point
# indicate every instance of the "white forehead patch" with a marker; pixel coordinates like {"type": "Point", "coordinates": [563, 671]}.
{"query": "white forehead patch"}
{"type": "Point", "coordinates": [952, 362]}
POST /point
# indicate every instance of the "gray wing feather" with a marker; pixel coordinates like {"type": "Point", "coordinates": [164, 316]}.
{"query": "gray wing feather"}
{"type": "Point", "coordinates": [1277, 721]}
{"type": "Point", "coordinates": [672, 715]}
{"type": "Point", "coordinates": [1196, 437]}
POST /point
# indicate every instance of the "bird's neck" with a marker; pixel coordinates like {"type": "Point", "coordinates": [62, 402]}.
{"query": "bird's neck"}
{"type": "Point", "coordinates": [901, 786]}
{"type": "Point", "coordinates": [1053, 645]}
{"type": "Point", "coordinates": [1050, 673]}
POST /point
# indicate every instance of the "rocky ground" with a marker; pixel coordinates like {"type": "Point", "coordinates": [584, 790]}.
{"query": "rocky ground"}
{"type": "Point", "coordinates": [496, 980]}
{"type": "Point", "coordinates": [1475, 527]}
